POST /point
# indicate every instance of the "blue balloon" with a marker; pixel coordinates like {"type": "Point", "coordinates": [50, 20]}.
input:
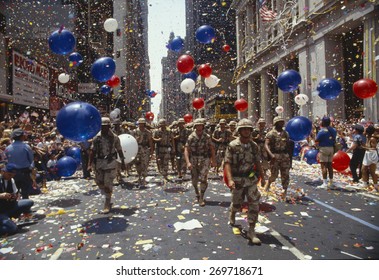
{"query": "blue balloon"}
{"type": "Point", "coordinates": [62, 42]}
{"type": "Point", "coordinates": [191, 75]}
{"type": "Point", "coordinates": [205, 34]}
{"type": "Point", "coordinates": [78, 121]}
{"type": "Point", "coordinates": [176, 44]}
{"type": "Point", "coordinates": [103, 69]}
{"type": "Point", "coordinates": [329, 89]}
{"type": "Point", "coordinates": [296, 149]}
{"type": "Point", "coordinates": [310, 156]}
{"type": "Point", "coordinates": [66, 166]}
{"type": "Point", "coordinates": [75, 58]}
{"type": "Point", "coordinates": [105, 89]}
{"type": "Point", "coordinates": [75, 153]}
{"type": "Point", "coordinates": [299, 128]}
{"type": "Point", "coordinates": [289, 81]}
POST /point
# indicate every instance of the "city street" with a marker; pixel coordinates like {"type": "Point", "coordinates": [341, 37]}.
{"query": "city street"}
{"type": "Point", "coordinates": [144, 223]}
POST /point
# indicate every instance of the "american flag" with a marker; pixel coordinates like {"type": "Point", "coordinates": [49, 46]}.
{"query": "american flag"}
{"type": "Point", "coordinates": [266, 14]}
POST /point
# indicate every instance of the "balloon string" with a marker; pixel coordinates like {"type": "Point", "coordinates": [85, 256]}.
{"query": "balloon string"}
{"type": "Point", "coordinates": [61, 29]}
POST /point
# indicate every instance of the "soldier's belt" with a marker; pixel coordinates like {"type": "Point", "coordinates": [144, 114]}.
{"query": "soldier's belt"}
{"type": "Point", "coordinates": [250, 174]}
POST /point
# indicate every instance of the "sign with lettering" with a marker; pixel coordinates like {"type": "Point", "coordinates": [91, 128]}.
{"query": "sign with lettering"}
{"type": "Point", "coordinates": [30, 85]}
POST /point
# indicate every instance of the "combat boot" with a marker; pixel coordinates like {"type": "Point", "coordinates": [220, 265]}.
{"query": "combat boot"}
{"type": "Point", "coordinates": [107, 206]}
{"type": "Point", "coordinates": [232, 218]}
{"type": "Point", "coordinates": [201, 200]}
{"type": "Point", "coordinates": [253, 236]}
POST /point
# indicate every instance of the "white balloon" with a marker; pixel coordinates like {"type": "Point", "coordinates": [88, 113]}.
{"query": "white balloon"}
{"type": "Point", "coordinates": [187, 85]}
{"type": "Point", "coordinates": [63, 78]}
{"type": "Point", "coordinates": [279, 109]}
{"type": "Point", "coordinates": [211, 81]}
{"type": "Point", "coordinates": [117, 110]}
{"type": "Point", "coordinates": [129, 147]}
{"type": "Point", "coordinates": [110, 25]}
{"type": "Point", "coordinates": [301, 99]}
{"type": "Point", "coordinates": [113, 115]}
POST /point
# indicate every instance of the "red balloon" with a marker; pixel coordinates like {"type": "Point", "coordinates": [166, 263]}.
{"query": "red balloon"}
{"type": "Point", "coordinates": [205, 70]}
{"type": "Point", "coordinates": [149, 116]}
{"type": "Point", "coordinates": [198, 103]}
{"type": "Point", "coordinates": [114, 81]}
{"type": "Point", "coordinates": [185, 63]}
{"type": "Point", "coordinates": [365, 88]}
{"type": "Point", "coordinates": [226, 48]}
{"type": "Point", "coordinates": [340, 161]}
{"type": "Point", "coordinates": [188, 118]}
{"type": "Point", "coordinates": [241, 105]}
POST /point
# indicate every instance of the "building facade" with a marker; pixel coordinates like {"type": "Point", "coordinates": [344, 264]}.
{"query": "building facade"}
{"type": "Point", "coordinates": [319, 39]}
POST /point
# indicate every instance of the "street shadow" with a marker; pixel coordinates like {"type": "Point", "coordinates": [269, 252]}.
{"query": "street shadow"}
{"type": "Point", "coordinates": [313, 183]}
{"type": "Point", "coordinates": [266, 207]}
{"type": "Point", "coordinates": [126, 212]}
{"type": "Point", "coordinates": [105, 225]}
{"type": "Point", "coordinates": [65, 203]}
{"type": "Point", "coordinates": [217, 203]}
{"type": "Point", "coordinates": [176, 190]}
{"type": "Point", "coordinates": [91, 193]}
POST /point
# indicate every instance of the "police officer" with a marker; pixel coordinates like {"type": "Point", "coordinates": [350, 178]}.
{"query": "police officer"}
{"type": "Point", "coordinates": [164, 143]}
{"type": "Point", "coordinates": [259, 135]}
{"type": "Point", "coordinates": [243, 168]}
{"type": "Point", "coordinates": [277, 145]}
{"type": "Point", "coordinates": [222, 137]}
{"type": "Point", "coordinates": [103, 154]}
{"type": "Point", "coordinates": [199, 153]}
{"type": "Point", "coordinates": [145, 150]}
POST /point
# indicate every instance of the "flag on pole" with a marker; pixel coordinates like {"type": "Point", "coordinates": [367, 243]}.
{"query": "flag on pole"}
{"type": "Point", "coordinates": [265, 13]}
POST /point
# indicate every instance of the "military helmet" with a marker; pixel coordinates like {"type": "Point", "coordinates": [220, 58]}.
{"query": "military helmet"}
{"type": "Point", "coordinates": [198, 122]}
{"type": "Point", "coordinates": [162, 122]}
{"type": "Point", "coordinates": [232, 123]}
{"type": "Point", "coordinates": [278, 119]}
{"type": "Point", "coordinates": [181, 120]}
{"type": "Point", "coordinates": [222, 121]}
{"type": "Point", "coordinates": [261, 120]}
{"type": "Point", "coordinates": [245, 123]}
{"type": "Point", "coordinates": [141, 120]}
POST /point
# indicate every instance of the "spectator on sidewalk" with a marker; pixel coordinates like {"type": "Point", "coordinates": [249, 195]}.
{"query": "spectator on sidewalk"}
{"type": "Point", "coordinates": [370, 159]}
{"type": "Point", "coordinates": [10, 205]}
{"type": "Point", "coordinates": [359, 141]}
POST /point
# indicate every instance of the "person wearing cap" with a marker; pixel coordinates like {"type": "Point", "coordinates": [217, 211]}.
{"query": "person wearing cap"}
{"type": "Point", "coordinates": [199, 153]}
{"type": "Point", "coordinates": [22, 156]}
{"type": "Point", "coordinates": [325, 140]}
{"type": "Point", "coordinates": [277, 145]}
{"type": "Point", "coordinates": [103, 154]}
{"type": "Point", "coordinates": [242, 170]}
{"type": "Point", "coordinates": [259, 136]}
{"type": "Point", "coordinates": [10, 204]}
{"type": "Point", "coordinates": [145, 150]}
{"type": "Point", "coordinates": [164, 143]}
{"type": "Point", "coordinates": [358, 149]}
{"type": "Point", "coordinates": [221, 136]}
{"type": "Point", "coordinates": [180, 138]}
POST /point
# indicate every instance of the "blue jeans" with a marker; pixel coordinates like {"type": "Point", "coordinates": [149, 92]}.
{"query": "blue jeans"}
{"type": "Point", "coordinates": [7, 226]}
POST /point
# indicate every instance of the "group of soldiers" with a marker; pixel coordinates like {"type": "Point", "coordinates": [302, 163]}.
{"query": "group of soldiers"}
{"type": "Point", "coordinates": [245, 153]}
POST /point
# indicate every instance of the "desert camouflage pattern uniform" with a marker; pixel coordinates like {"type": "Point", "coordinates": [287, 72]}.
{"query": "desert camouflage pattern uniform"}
{"type": "Point", "coordinates": [226, 136]}
{"type": "Point", "coordinates": [259, 137]}
{"type": "Point", "coordinates": [243, 159]}
{"type": "Point", "coordinates": [163, 150]}
{"type": "Point", "coordinates": [142, 159]}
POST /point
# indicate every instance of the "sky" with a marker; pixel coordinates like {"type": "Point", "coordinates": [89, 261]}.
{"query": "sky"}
{"type": "Point", "coordinates": [165, 16]}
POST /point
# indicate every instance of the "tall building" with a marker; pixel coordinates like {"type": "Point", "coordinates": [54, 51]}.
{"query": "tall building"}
{"type": "Point", "coordinates": [319, 39]}
{"type": "Point", "coordinates": [174, 104]}
{"type": "Point", "coordinates": [218, 15]}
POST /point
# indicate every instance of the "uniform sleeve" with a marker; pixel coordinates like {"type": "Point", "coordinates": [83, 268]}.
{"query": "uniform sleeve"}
{"type": "Point", "coordinates": [228, 155]}
{"type": "Point", "coordinates": [269, 135]}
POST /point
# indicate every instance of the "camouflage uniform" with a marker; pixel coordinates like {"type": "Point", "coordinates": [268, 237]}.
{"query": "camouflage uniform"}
{"type": "Point", "coordinates": [145, 148]}
{"type": "Point", "coordinates": [259, 136]}
{"type": "Point", "coordinates": [180, 138]}
{"type": "Point", "coordinates": [279, 146]}
{"type": "Point", "coordinates": [243, 161]}
{"type": "Point", "coordinates": [104, 151]}
{"type": "Point", "coordinates": [199, 152]}
{"type": "Point", "coordinates": [226, 136]}
{"type": "Point", "coordinates": [163, 147]}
